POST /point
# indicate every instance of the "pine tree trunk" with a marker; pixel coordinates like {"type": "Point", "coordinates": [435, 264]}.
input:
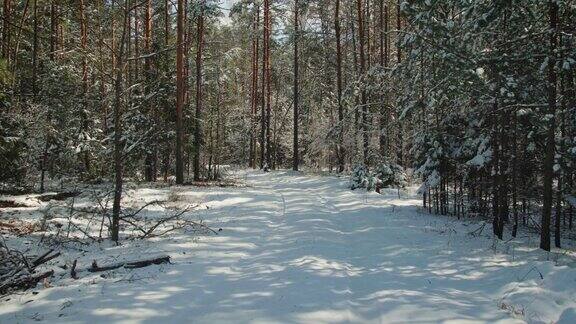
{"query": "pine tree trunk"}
{"type": "Point", "coordinates": [118, 143]}
{"type": "Point", "coordinates": [151, 154]}
{"type": "Point", "coordinates": [548, 167]}
{"type": "Point", "coordinates": [263, 94]}
{"type": "Point", "coordinates": [514, 175]}
{"type": "Point", "coordinates": [341, 151]}
{"type": "Point", "coordinates": [53, 29]}
{"type": "Point", "coordinates": [296, 158]}
{"type": "Point", "coordinates": [180, 92]}
{"type": "Point", "coordinates": [35, 50]}
{"type": "Point", "coordinates": [254, 90]}
{"type": "Point", "coordinates": [383, 13]}
{"type": "Point", "coordinates": [570, 95]}
{"type": "Point", "coordinates": [363, 101]}
{"type": "Point", "coordinates": [400, 131]}
{"type": "Point", "coordinates": [199, 100]}
{"type": "Point", "coordinates": [6, 29]}
{"type": "Point", "coordinates": [84, 45]}
{"type": "Point", "coordinates": [497, 169]}
{"type": "Point", "coordinates": [268, 68]}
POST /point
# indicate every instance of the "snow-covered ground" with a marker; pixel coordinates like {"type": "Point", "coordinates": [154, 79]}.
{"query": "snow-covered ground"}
{"type": "Point", "coordinates": [306, 249]}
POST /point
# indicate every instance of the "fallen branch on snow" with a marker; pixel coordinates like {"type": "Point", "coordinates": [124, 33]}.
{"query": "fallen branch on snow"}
{"type": "Point", "coordinates": [24, 282]}
{"type": "Point", "coordinates": [18, 273]}
{"type": "Point", "coordinates": [129, 264]}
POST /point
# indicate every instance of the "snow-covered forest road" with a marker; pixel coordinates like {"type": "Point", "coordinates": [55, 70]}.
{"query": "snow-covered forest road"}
{"type": "Point", "coordinates": [306, 249]}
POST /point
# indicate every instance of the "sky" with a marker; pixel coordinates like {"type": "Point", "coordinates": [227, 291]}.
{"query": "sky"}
{"type": "Point", "coordinates": [228, 3]}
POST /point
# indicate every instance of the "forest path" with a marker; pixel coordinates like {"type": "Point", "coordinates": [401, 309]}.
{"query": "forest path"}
{"type": "Point", "coordinates": [318, 252]}
{"type": "Point", "coordinates": [294, 249]}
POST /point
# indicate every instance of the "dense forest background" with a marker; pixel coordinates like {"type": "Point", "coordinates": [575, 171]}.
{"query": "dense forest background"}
{"type": "Point", "coordinates": [476, 99]}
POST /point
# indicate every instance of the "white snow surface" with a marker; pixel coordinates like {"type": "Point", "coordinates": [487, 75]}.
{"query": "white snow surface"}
{"type": "Point", "coordinates": [300, 248]}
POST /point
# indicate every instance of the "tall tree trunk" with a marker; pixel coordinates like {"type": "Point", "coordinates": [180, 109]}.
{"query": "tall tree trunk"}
{"type": "Point", "coordinates": [180, 92]}
{"type": "Point", "coordinates": [571, 111]}
{"type": "Point", "coordinates": [558, 215]}
{"type": "Point", "coordinates": [198, 119]}
{"type": "Point", "coordinates": [35, 50]}
{"type": "Point", "coordinates": [514, 174]}
{"type": "Point", "coordinates": [263, 94]}
{"type": "Point", "coordinates": [34, 92]}
{"type": "Point", "coordinates": [103, 103]}
{"type": "Point", "coordinates": [84, 45]}
{"type": "Point", "coordinates": [357, 107]}
{"type": "Point", "coordinates": [129, 63]}
{"type": "Point", "coordinates": [6, 29]}
{"type": "Point", "coordinates": [136, 43]}
{"type": "Point", "coordinates": [268, 68]}
{"type": "Point", "coordinates": [167, 149]}
{"type": "Point", "coordinates": [53, 40]}
{"type": "Point", "coordinates": [296, 159]}
{"type": "Point", "coordinates": [497, 169]}
{"type": "Point", "coordinates": [118, 144]}
{"type": "Point", "coordinates": [548, 167]}
{"type": "Point", "coordinates": [53, 29]}
{"type": "Point", "coordinates": [363, 101]}
{"type": "Point", "coordinates": [16, 48]}
{"type": "Point", "coordinates": [398, 32]}
{"type": "Point", "coordinates": [254, 91]}
{"type": "Point", "coordinates": [400, 134]}
{"type": "Point", "coordinates": [562, 118]}
{"type": "Point", "coordinates": [218, 124]}
{"type": "Point", "coordinates": [341, 151]}
{"type": "Point", "coordinates": [151, 155]}
{"type": "Point", "coordinates": [367, 22]}
{"type": "Point", "coordinates": [383, 15]}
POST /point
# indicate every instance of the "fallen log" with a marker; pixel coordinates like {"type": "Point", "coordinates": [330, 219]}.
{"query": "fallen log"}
{"type": "Point", "coordinates": [38, 260]}
{"type": "Point", "coordinates": [129, 264]}
{"type": "Point", "coordinates": [10, 204]}
{"type": "Point", "coordinates": [45, 258]}
{"type": "Point", "coordinates": [59, 196]}
{"type": "Point", "coordinates": [24, 282]}
{"type": "Point", "coordinates": [145, 263]}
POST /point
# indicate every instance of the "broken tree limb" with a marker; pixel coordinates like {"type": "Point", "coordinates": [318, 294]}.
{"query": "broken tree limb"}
{"type": "Point", "coordinates": [58, 196]}
{"type": "Point", "coordinates": [205, 227]}
{"type": "Point", "coordinates": [154, 202]}
{"type": "Point", "coordinates": [129, 264]}
{"type": "Point", "coordinates": [44, 258]}
{"type": "Point", "coordinates": [145, 263]}
{"type": "Point", "coordinates": [150, 231]}
{"type": "Point", "coordinates": [24, 282]}
{"type": "Point", "coordinates": [39, 259]}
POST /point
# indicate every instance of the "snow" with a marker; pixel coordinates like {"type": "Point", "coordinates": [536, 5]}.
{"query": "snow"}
{"type": "Point", "coordinates": [305, 249]}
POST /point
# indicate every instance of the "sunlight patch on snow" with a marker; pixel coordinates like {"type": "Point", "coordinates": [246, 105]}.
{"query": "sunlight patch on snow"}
{"type": "Point", "coordinates": [444, 272]}
{"type": "Point", "coordinates": [229, 202]}
{"type": "Point", "coordinates": [222, 271]}
{"type": "Point", "coordinates": [130, 315]}
{"type": "Point", "coordinates": [392, 294]}
{"type": "Point", "coordinates": [324, 267]}
{"type": "Point", "coordinates": [222, 255]}
{"type": "Point", "coordinates": [152, 295]}
{"type": "Point", "coordinates": [472, 275]}
{"type": "Point", "coordinates": [329, 316]}
{"type": "Point", "coordinates": [9, 309]}
{"type": "Point", "coordinates": [252, 294]}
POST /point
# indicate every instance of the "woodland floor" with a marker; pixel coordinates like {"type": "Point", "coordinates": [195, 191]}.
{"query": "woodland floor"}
{"type": "Point", "coordinates": [304, 248]}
